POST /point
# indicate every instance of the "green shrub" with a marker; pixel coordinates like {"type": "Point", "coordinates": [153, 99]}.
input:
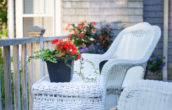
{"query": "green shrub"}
{"type": "Point", "coordinates": [155, 63]}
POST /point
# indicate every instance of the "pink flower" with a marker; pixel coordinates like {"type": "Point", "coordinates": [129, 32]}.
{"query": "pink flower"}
{"type": "Point", "coordinates": [70, 36]}
{"type": "Point", "coordinates": [100, 37]}
{"type": "Point", "coordinates": [93, 23]}
{"type": "Point", "coordinates": [81, 35]}
{"type": "Point", "coordinates": [67, 27]}
{"type": "Point", "coordinates": [94, 30]}
{"type": "Point", "coordinates": [108, 26]}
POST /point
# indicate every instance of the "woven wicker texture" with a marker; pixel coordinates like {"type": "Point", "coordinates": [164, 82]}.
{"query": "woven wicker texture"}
{"type": "Point", "coordinates": [147, 95]}
{"type": "Point", "coordinates": [75, 95]}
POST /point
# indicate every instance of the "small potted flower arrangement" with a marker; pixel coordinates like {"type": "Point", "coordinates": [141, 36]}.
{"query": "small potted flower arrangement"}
{"type": "Point", "coordinates": [60, 60]}
{"type": "Point", "coordinates": [155, 65]}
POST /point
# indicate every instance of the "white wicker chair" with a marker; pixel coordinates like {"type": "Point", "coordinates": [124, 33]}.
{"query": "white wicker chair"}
{"type": "Point", "coordinates": [133, 46]}
{"type": "Point", "coordinates": [146, 95]}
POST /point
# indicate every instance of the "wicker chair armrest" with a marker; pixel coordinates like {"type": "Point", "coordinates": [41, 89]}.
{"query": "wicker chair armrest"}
{"type": "Point", "coordinates": [114, 71]}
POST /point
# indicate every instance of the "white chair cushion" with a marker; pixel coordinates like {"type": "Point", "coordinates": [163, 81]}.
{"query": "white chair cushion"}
{"type": "Point", "coordinates": [133, 75]}
{"type": "Point", "coordinates": [146, 95]}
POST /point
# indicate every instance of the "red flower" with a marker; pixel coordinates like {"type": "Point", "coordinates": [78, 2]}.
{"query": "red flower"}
{"type": "Point", "coordinates": [75, 33]}
{"type": "Point", "coordinates": [66, 45]}
{"type": "Point", "coordinates": [76, 29]}
{"type": "Point", "coordinates": [100, 37]}
{"type": "Point", "coordinates": [74, 51]}
{"type": "Point", "coordinates": [67, 27]}
{"type": "Point", "coordinates": [107, 37]}
{"type": "Point", "coordinates": [55, 41]}
{"type": "Point", "coordinates": [78, 56]}
{"type": "Point", "coordinates": [94, 30]}
{"type": "Point", "coordinates": [93, 23]}
{"type": "Point", "coordinates": [81, 35]}
{"type": "Point", "coordinates": [66, 48]}
{"type": "Point", "coordinates": [62, 53]}
{"type": "Point", "coordinates": [70, 36]}
{"type": "Point", "coordinates": [80, 25]}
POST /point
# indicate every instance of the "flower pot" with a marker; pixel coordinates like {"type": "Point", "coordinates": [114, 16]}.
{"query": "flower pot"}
{"type": "Point", "coordinates": [153, 76]}
{"type": "Point", "coordinates": [60, 71]}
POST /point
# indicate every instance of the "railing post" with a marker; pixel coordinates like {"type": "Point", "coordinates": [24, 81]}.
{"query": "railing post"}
{"type": "Point", "coordinates": [16, 78]}
{"type": "Point", "coordinates": [7, 77]}
{"type": "Point", "coordinates": [24, 78]}
{"type": "Point", "coordinates": [36, 31]}
{"type": "Point", "coordinates": [30, 76]}
{"type": "Point", "coordinates": [41, 61]}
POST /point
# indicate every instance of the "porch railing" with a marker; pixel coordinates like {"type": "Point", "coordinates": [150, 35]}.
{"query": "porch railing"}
{"type": "Point", "coordinates": [19, 97]}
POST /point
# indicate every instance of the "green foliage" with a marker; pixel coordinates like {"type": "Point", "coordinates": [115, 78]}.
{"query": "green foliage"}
{"type": "Point", "coordinates": [49, 55]}
{"type": "Point", "coordinates": [4, 33]}
{"type": "Point", "coordinates": [3, 12]}
{"type": "Point", "coordinates": [82, 34]}
{"type": "Point", "coordinates": [3, 82]}
{"type": "Point", "coordinates": [155, 63]}
{"type": "Point", "coordinates": [86, 37]}
{"type": "Point", "coordinates": [46, 55]}
{"type": "Point", "coordinates": [104, 37]}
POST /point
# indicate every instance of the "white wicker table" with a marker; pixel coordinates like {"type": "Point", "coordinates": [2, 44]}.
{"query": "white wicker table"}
{"type": "Point", "coordinates": [74, 95]}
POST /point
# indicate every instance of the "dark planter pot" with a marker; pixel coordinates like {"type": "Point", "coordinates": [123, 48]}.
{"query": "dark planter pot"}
{"type": "Point", "coordinates": [60, 72]}
{"type": "Point", "coordinates": [153, 76]}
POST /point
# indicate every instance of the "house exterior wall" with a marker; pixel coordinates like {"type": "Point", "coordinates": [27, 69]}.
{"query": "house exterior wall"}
{"type": "Point", "coordinates": [170, 42]}
{"type": "Point", "coordinates": [127, 12]}
{"type": "Point", "coordinates": [153, 12]}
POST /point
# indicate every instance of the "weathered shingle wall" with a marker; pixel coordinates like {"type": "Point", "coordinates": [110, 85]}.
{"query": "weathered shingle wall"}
{"type": "Point", "coordinates": [153, 13]}
{"type": "Point", "coordinates": [128, 13]}
{"type": "Point", "coordinates": [170, 41]}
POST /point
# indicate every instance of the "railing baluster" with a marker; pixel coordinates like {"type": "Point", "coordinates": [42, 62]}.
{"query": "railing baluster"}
{"type": "Point", "coordinates": [6, 43]}
{"type": "Point", "coordinates": [30, 75]}
{"type": "Point", "coordinates": [24, 78]}
{"type": "Point", "coordinates": [16, 78]}
{"type": "Point", "coordinates": [32, 78]}
{"type": "Point", "coordinates": [41, 61]}
{"type": "Point", "coordinates": [7, 76]}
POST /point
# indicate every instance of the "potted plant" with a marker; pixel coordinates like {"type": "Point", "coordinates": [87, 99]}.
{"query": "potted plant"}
{"type": "Point", "coordinates": [60, 60]}
{"type": "Point", "coordinates": [90, 39]}
{"type": "Point", "coordinates": [154, 67]}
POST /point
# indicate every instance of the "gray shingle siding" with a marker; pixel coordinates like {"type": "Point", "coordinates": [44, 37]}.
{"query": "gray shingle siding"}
{"type": "Point", "coordinates": [170, 41]}
{"type": "Point", "coordinates": [153, 13]}
{"type": "Point", "coordinates": [127, 12]}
